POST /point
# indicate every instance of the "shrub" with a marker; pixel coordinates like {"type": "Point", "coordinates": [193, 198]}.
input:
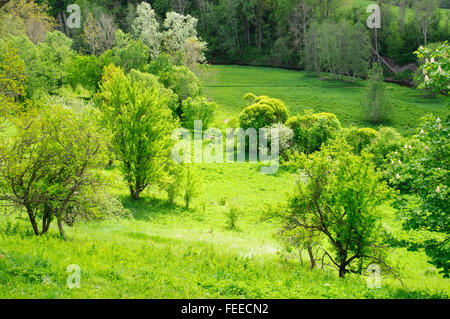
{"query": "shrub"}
{"type": "Point", "coordinates": [85, 70]}
{"type": "Point", "coordinates": [312, 130]}
{"type": "Point", "coordinates": [192, 187]}
{"type": "Point", "coordinates": [262, 111]}
{"type": "Point", "coordinates": [285, 137]}
{"type": "Point", "coordinates": [427, 171]}
{"type": "Point", "coordinates": [387, 141]}
{"type": "Point", "coordinates": [171, 181]}
{"type": "Point", "coordinates": [359, 138]}
{"type": "Point", "coordinates": [175, 76]}
{"type": "Point", "coordinates": [199, 108]}
{"type": "Point", "coordinates": [232, 215]}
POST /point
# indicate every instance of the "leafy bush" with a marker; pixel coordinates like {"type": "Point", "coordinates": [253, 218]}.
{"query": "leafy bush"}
{"type": "Point", "coordinates": [232, 215]}
{"type": "Point", "coordinates": [199, 108]}
{"type": "Point", "coordinates": [359, 138]}
{"type": "Point", "coordinates": [85, 70]}
{"type": "Point", "coordinates": [192, 187]}
{"type": "Point", "coordinates": [262, 111]}
{"type": "Point", "coordinates": [387, 141]}
{"type": "Point", "coordinates": [152, 80]}
{"type": "Point", "coordinates": [312, 130]}
{"type": "Point", "coordinates": [285, 138]}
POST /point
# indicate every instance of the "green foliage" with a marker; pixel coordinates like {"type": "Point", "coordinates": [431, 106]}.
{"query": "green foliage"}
{"type": "Point", "coordinates": [426, 169]}
{"type": "Point", "coordinates": [172, 181]}
{"type": "Point", "coordinates": [192, 187]}
{"type": "Point", "coordinates": [182, 81]}
{"type": "Point", "coordinates": [127, 53]}
{"type": "Point", "coordinates": [387, 141]}
{"type": "Point", "coordinates": [262, 111]}
{"type": "Point", "coordinates": [45, 63]}
{"type": "Point", "coordinates": [337, 194]}
{"type": "Point", "coordinates": [199, 108]}
{"type": "Point", "coordinates": [152, 80]}
{"type": "Point", "coordinates": [360, 138]}
{"type": "Point", "coordinates": [232, 215]}
{"type": "Point", "coordinates": [436, 68]}
{"type": "Point", "coordinates": [141, 123]}
{"type": "Point", "coordinates": [12, 73]}
{"type": "Point", "coordinates": [312, 130]}
{"type": "Point", "coordinates": [48, 166]}
{"type": "Point", "coordinates": [341, 49]}
{"type": "Point", "coordinates": [85, 70]}
{"type": "Point", "coordinates": [377, 101]}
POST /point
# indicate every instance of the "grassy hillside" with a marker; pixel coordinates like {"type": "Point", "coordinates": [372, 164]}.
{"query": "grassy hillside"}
{"type": "Point", "coordinates": [228, 84]}
{"type": "Point", "coordinates": [169, 252]}
{"type": "Point", "coordinates": [166, 251]}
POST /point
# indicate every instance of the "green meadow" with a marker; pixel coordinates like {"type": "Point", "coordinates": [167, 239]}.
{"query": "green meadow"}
{"type": "Point", "coordinates": [300, 91]}
{"type": "Point", "coordinates": [167, 251]}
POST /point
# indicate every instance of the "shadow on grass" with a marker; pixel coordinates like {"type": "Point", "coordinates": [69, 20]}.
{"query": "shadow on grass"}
{"type": "Point", "coordinates": [148, 208]}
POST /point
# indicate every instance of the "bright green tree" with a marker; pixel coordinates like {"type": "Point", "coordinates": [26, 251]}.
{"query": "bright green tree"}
{"type": "Point", "coordinates": [141, 124]}
{"type": "Point", "coordinates": [337, 195]}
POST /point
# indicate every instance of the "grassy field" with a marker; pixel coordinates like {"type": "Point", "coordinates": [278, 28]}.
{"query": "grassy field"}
{"type": "Point", "coordinates": [228, 84]}
{"type": "Point", "coordinates": [164, 251]}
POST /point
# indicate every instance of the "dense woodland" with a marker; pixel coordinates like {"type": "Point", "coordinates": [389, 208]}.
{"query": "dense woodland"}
{"type": "Point", "coordinates": [282, 32]}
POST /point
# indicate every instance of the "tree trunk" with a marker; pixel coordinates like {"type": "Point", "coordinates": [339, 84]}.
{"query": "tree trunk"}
{"type": "Point", "coordinates": [46, 220]}
{"type": "Point", "coordinates": [135, 195]}
{"type": "Point", "coordinates": [311, 256]}
{"type": "Point", "coordinates": [33, 221]}
{"type": "Point", "coordinates": [342, 270]}
{"type": "Point", "coordinates": [61, 229]}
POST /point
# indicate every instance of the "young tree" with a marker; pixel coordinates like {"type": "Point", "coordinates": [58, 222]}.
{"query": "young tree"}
{"type": "Point", "coordinates": [47, 166]}
{"type": "Point", "coordinates": [91, 34]}
{"type": "Point", "coordinates": [377, 102]}
{"type": "Point", "coordinates": [180, 35]}
{"type": "Point", "coordinates": [146, 28]}
{"type": "Point", "coordinates": [425, 14]}
{"type": "Point", "coordinates": [141, 124]}
{"type": "Point", "coordinates": [337, 195]}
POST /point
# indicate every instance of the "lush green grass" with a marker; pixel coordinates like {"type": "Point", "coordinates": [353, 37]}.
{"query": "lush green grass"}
{"type": "Point", "coordinates": [170, 252]}
{"type": "Point", "coordinates": [166, 251]}
{"type": "Point", "coordinates": [228, 84]}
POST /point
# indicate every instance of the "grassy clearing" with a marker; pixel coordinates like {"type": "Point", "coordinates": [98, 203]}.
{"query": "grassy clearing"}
{"type": "Point", "coordinates": [301, 91]}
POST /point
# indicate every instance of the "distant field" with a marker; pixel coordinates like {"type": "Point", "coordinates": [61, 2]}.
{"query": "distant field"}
{"type": "Point", "coordinates": [227, 85]}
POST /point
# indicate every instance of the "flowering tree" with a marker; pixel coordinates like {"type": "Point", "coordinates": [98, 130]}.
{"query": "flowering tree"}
{"type": "Point", "coordinates": [436, 69]}
{"type": "Point", "coordinates": [425, 171]}
{"type": "Point", "coordinates": [147, 28]}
